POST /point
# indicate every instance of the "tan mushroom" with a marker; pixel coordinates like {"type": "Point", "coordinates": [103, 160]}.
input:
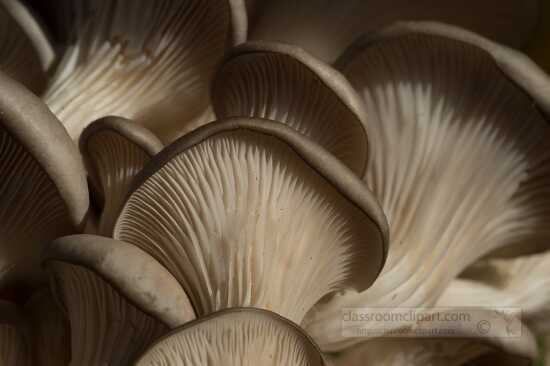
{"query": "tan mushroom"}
{"type": "Point", "coordinates": [285, 84]}
{"type": "Point", "coordinates": [235, 337]}
{"type": "Point", "coordinates": [114, 150]}
{"type": "Point", "coordinates": [117, 298]}
{"type": "Point", "coordinates": [460, 159]}
{"type": "Point", "coordinates": [250, 213]}
{"type": "Point", "coordinates": [25, 51]}
{"type": "Point", "coordinates": [43, 185]}
{"type": "Point", "coordinates": [49, 330]}
{"type": "Point", "coordinates": [149, 61]}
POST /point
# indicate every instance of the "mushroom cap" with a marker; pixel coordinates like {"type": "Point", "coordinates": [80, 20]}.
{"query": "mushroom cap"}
{"type": "Point", "coordinates": [114, 150]}
{"type": "Point", "coordinates": [286, 84]}
{"type": "Point", "coordinates": [238, 336]}
{"type": "Point", "coordinates": [25, 49]}
{"type": "Point", "coordinates": [151, 62]}
{"type": "Point", "coordinates": [25, 117]}
{"type": "Point", "coordinates": [167, 214]}
{"type": "Point", "coordinates": [326, 28]}
{"type": "Point", "coordinates": [140, 278]}
{"type": "Point", "coordinates": [460, 164]}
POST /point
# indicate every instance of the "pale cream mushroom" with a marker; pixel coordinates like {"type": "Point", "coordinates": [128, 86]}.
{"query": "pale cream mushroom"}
{"type": "Point", "coordinates": [43, 186]}
{"type": "Point", "coordinates": [460, 159]}
{"type": "Point", "coordinates": [49, 330]}
{"type": "Point", "coordinates": [250, 213]}
{"type": "Point", "coordinates": [114, 150]}
{"type": "Point", "coordinates": [235, 337]}
{"type": "Point", "coordinates": [25, 51]}
{"type": "Point", "coordinates": [14, 345]}
{"type": "Point", "coordinates": [150, 61]}
{"type": "Point", "coordinates": [285, 84]}
{"type": "Point", "coordinates": [326, 28]}
{"type": "Point", "coordinates": [116, 297]}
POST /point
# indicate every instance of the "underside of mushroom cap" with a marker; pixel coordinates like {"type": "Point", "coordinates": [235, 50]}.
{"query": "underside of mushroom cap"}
{"type": "Point", "coordinates": [149, 61]}
{"type": "Point", "coordinates": [14, 347]}
{"type": "Point", "coordinates": [44, 190]}
{"type": "Point", "coordinates": [117, 298]}
{"type": "Point", "coordinates": [248, 212]}
{"type": "Point", "coordinates": [129, 271]}
{"type": "Point", "coordinates": [25, 52]}
{"type": "Point", "coordinates": [235, 337]}
{"type": "Point", "coordinates": [114, 150]}
{"type": "Point", "coordinates": [326, 28]}
{"type": "Point", "coordinates": [49, 330]}
{"type": "Point", "coordinates": [460, 163]}
{"type": "Point", "coordinates": [285, 84]}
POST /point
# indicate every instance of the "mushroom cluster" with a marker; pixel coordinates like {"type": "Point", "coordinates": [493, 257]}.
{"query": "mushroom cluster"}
{"type": "Point", "coordinates": [217, 182]}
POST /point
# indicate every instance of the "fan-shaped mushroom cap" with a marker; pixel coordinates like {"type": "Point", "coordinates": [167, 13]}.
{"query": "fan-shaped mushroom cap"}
{"type": "Point", "coordinates": [149, 61]}
{"type": "Point", "coordinates": [235, 337]}
{"type": "Point", "coordinates": [117, 298]}
{"type": "Point", "coordinates": [285, 84]}
{"type": "Point", "coordinates": [25, 51]}
{"type": "Point", "coordinates": [49, 330]}
{"type": "Point", "coordinates": [43, 182]}
{"type": "Point", "coordinates": [520, 282]}
{"type": "Point", "coordinates": [14, 348]}
{"type": "Point", "coordinates": [115, 150]}
{"type": "Point", "coordinates": [326, 28]}
{"type": "Point", "coordinates": [249, 212]}
{"type": "Point", "coordinates": [464, 347]}
{"type": "Point", "coordinates": [460, 163]}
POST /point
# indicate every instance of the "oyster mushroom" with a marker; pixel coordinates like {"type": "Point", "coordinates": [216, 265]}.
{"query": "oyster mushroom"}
{"type": "Point", "coordinates": [149, 61]}
{"type": "Point", "coordinates": [25, 51]}
{"type": "Point", "coordinates": [285, 84]}
{"type": "Point", "coordinates": [49, 330]}
{"type": "Point", "coordinates": [326, 28]}
{"type": "Point", "coordinates": [117, 298]}
{"type": "Point", "coordinates": [234, 337]}
{"type": "Point", "coordinates": [250, 213]}
{"type": "Point", "coordinates": [114, 150]}
{"type": "Point", "coordinates": [14, 347]}
{"type": "Point", "coordinates": [43, 185]}
{"type": "Point", "coordinates": [460, 163]}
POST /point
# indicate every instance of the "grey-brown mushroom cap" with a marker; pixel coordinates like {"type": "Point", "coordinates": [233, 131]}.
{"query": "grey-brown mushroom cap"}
{"type": "Point", "coordinates": [325, 164]}
{"type": "Point", "coordinates": [28, 119]}
{"type": "Point", "coordinates": [514, 64]}
{"type": "Point", "coordinates": [314, 353]}
{"type": "Point", "coordinates": [139, 277]}
{"type": "Point", "coordinates": [330, 77]}
{"type": "Point", "coordinates": [128, 129]}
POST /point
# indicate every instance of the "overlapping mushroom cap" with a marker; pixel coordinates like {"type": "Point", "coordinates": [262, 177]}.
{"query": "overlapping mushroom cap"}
{"type": "Point", "coordinates": [248, 212]}
{"type": "Point", "coordinates": [149, 61]}
{"type": "Point", "coordinates": [43, 185]}
{"type": "Point", "coordinates": [117, 298]}
{"type": "Point", "coordinates": [114, 150]}
{"type": "Point", "coordinates": [460, 164]}
{"type": "Point", "coordinates": [235, 337]}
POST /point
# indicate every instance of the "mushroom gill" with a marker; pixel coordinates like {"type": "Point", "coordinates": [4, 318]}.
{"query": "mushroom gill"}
{"type": "Point", "coordinates": [250, 213]}
{"type": "Point", "coordinates": [460, 159]}
{"type": "Point", "coordinates": [284, 83]}
{"type": "Point", "coordinates": [149, 61]}
{"type": "Point", "coordinates": [117, 298]}
{"type": "Point", "coordinates": [114, 151]}
{"type": "Point", "coordinates": [235, 337]}
{"type": "Point", "coordinates": [14, 345]}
